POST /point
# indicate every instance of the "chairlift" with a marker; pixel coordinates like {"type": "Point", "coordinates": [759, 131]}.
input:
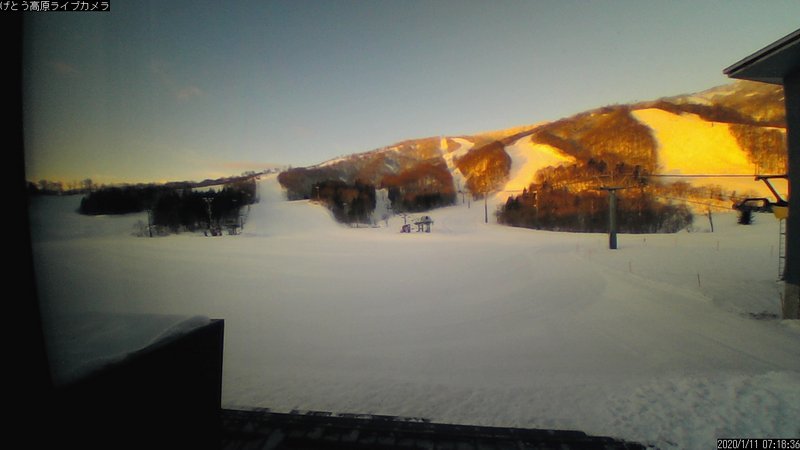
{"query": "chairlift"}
{"type": "Point", "coordinates": [780, 208]}
{"type": "Point", "coordinates": [754, 204]}
{"type": "Point", "coordinates": [423, 224]}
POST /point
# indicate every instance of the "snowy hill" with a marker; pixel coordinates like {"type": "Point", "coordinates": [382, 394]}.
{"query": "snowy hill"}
{"type": "Point", "coordinates": [733, 129]}
{"type": "Point", "coordinates": [691, 145]}
{"type": "Point", "coordinates": [274, 215]}
{"type": "Point", "coordinates": [670, 340]}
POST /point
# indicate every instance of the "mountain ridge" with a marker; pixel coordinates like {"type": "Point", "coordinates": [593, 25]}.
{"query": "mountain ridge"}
{"type": "Point", "coordinates": [641, 139]}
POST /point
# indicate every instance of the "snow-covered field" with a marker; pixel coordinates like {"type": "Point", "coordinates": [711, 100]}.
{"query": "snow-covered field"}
{"type": "Point", "coordinates": [671, 340]}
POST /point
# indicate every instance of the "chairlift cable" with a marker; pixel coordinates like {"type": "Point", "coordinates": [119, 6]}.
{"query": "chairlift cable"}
{"type": "Point", "coordinates": [706, 175]}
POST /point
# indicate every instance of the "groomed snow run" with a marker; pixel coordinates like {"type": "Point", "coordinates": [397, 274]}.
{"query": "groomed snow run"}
{"type": "Point", "coordinates": [527, 158]}
{"type": "Point", "coordinates": [672, 340]}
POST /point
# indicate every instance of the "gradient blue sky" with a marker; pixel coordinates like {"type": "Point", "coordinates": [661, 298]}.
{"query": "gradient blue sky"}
{"type": "Point", "coordinates": [187, 90]}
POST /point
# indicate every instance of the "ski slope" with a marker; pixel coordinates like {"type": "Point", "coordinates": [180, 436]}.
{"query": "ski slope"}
{"type": "Point", "coordinates": [476, 323]}
{"type": "Point", "coordinates": [527, 158]}
{"type": "Point", "coordinates": [274, 216]}
{"type": "Point", "coordinates": [688, 145]}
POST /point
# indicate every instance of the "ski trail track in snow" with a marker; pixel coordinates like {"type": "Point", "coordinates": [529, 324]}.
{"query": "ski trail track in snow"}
{"type": "Point", "coordinates": [578, 344]}
{"type": "Point", "coordinates": [273, 215]}
{"type": "Point", "coordinates": [472, 323]}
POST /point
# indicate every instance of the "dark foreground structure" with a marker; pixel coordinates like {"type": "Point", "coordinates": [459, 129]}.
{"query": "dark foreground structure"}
{"type": "Point", "coordinates": [314, 430]}
{"type": "Point", "coordinates": [168, 395]}
{"type": "Point", "coordinates": [779, 63]}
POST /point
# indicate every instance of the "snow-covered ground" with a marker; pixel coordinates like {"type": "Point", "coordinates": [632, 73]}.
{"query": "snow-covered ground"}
{"type": "Point", "coordinates": [451, 157]}
{"type": "Point", "coordinates": [527, 158]}
{"type": "Point", "coordinates": [688, 144]}
{"type": "Point", "coordinates": [670, 340]}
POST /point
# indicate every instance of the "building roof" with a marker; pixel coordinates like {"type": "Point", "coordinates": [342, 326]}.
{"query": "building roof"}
{"type": "Point", "coordinates": [771, 64]}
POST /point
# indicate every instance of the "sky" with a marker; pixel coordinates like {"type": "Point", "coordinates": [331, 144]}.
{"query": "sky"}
{"type": "Point", "coordinates": [189, 90]}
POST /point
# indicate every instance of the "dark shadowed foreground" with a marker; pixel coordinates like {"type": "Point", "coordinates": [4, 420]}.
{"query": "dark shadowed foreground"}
{"type": "Point", "coordinates": [322, 430]}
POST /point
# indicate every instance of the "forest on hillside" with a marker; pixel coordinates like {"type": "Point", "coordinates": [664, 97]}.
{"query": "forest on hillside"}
{"type": "Point", "coordinates": [559, 209]}
{"type": "Point", "coordinates": [486, 168]}
{"type": "Point", "coordinates": [426, 186]}
{"type": "Point", "coordinates": [349, 203]}
{"type": "Point", "coordinates": [608, 146]}
{"type": "Point", "coordinates": [610, 135]}
{"type": "Point", "coordinates": [572, 198]}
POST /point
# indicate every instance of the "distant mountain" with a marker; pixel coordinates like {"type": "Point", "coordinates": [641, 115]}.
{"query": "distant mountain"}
{"type": "Point", "coordinates": [737, 128]}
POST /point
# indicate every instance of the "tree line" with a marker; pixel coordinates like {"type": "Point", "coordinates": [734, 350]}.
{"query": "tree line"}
{"type": "Point", "coordinates": [49, 187]}
{"type": "Point", "coordinates": [426, 186]}
{"type": "Point", "coordinates": [558, 209]}
{"type": "Point", "coordinates": [174, 209]}
{"type": "Point", "coordinates": [610, 134]}
{"type": "Point", "coordinates": [348, 203]}
{"type": "Point", "coordinates": [568, 198]}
